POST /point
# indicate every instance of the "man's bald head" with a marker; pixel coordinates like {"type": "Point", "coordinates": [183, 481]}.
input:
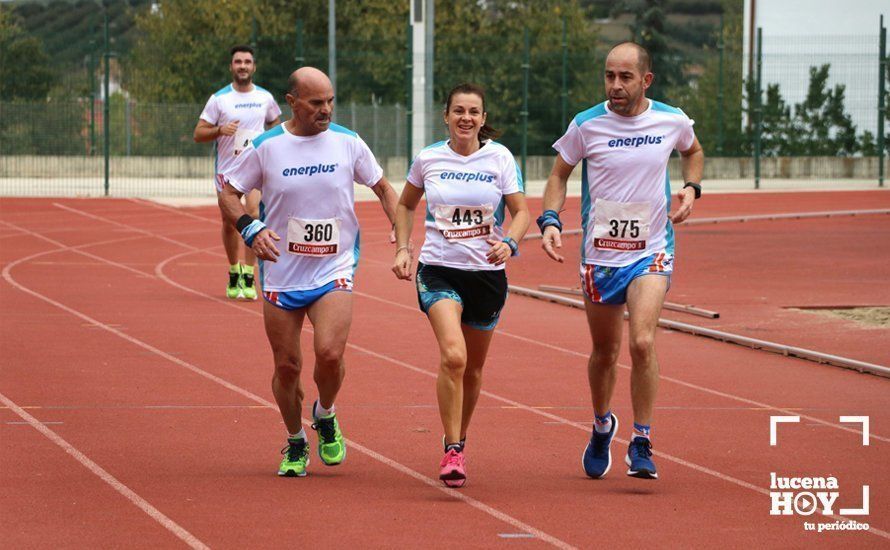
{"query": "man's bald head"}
{"type": "Point", "coordinates": [628, 49]}
{"type": "Point", "coordinates": [307, 80]}
{"type": "Point", "coordinates": [311, 98]}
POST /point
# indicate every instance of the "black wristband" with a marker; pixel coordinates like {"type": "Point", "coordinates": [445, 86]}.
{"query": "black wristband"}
{"type": "Point", "coordinates": [243, 222]}
{"type": "Point", "coordinates": [695, 187]}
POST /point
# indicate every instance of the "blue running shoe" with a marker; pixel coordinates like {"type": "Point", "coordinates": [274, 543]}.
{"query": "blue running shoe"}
{"type": "Point", "coordinates": [597, 459]}
{"type": "Point", "coordinates": [639, 459]}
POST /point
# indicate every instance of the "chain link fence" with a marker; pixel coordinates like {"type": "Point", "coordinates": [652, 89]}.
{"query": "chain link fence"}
{"type": "Point", "coordinates": [803, 118]}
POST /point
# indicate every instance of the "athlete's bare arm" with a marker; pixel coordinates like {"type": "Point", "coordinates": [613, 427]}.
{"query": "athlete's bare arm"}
{"type": "Point", "coordinates": [205, 131]}
{"type": "Point", "coordinates": [263, 246]}
{"type": "Point", "coordinates": [692, 162]}
{"type": "Point", "coordinates": [408, 202]}
{"type": "Point", "coordinates": [500, 251]}
{"type": "Point", "coordinates": [387, 197]}
{"type": "Point", "coordinates": [554, 199]}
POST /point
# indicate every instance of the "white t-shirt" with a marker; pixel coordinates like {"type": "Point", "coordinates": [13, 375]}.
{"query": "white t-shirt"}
{"type": "Point", "coordinates": [253, 110]}
{"type": "Point", "coordinates": [465, 202]}
{"type": "Point", "coordinates": [625, 187]}
{"type": "Point", "coordinates": [308, 200]}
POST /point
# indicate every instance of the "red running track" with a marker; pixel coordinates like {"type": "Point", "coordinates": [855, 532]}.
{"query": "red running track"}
{"type": "Point", "coordinates": [136, 402]}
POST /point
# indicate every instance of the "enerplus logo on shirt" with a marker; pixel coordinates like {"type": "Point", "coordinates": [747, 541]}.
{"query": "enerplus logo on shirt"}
{"type": "Point", "coordinates": [309, 170]}
{"type": "Point", "coordinates": [635, 141]}
{"type": "Point", "coordinates": [467, 177]}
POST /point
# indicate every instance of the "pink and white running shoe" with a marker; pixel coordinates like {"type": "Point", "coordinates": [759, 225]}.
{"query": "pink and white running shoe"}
{"type": "Point", "coordinates": [453, 470]}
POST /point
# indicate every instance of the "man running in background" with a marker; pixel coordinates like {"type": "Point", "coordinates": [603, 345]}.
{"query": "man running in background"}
{"type": "Point", "coordinates": [232, 117]}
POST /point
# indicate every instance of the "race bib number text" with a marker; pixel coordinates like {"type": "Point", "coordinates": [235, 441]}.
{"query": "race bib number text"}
{"type": "Point", "coordinates": [313, 237]}
{"type": "Point", "coordinates": [620, 226]}
{"type": "Point", "coordinates": [464, 222]}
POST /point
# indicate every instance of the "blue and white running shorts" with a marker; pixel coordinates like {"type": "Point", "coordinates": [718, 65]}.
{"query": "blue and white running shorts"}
{"type": "Point", "coordinates": [299, 299]}
{"type": "Point", "coordinates": [608, 285]}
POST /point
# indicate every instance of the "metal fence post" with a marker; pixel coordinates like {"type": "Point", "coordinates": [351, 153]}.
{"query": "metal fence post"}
{"type": "Point", "coordinates": [105, 107]}
{"type": "Point", "coordinates": [300, 58]}
{"type": "Point", "coordinates": [398, 126]}
{"type": "Point", "coordinates": [526, 65]}
{"type": "Point", "coordinates": [92, 81]}
{"type": "Point", "coordinates": [720, 48]}
{"type": "Point", "coordinates": [127, 126]}
{"type": "Point", "coordinates": [882, 108]}
{"type": "Point", "coordinates": [565, 73]}
{"type": "Point", "coordinates": [409, 71]}
{"type": "Point", "coordinates": [758, 128]}
{"type": "Point", "coordinates": [375, 105]}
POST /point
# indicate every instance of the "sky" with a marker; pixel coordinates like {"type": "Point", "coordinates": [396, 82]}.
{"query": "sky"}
{"type": "Point", "coordinates": [798, 34]}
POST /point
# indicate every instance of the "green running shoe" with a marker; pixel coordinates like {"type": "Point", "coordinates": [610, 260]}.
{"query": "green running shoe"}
{"type": "Point", "coordinates": [296, 458]}
{"type": "Point", "coordinates": [331, 446]}
{"type": "Point", "coordinates": [248, 286]}
{"type": "Point", "coordinates": [233, 291]}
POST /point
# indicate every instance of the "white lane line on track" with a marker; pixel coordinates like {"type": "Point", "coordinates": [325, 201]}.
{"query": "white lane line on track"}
{"type": "Point", "coordinates": [77, 250]}
{"type": "Point", "coordinates": [583, 427]}
{"type": "Point", "coordinates": [128, 493]}
{"type": "Point", "coordinates": [758, 404]}
{"type": "Point", "coordinates": [547, 345]}
{"type": "Point", "coordinates": [100, 472]}
{"type": "Point", "coordinates": [525, 339]}
{"type": "Point", "coordinates": [435, 484]}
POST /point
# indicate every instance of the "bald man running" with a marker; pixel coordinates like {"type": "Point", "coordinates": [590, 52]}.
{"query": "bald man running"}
{"type": "Point", "coordinates": [305, 169]}
{"type": "Point", "coordinates": [628, 247]}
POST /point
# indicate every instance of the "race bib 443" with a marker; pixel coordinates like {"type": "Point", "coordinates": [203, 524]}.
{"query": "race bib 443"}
{"type": "Point", "coordinates": [313, 237]}
{"type": "Point", "coordinates": [620, 226]}
{"type": "Point", "coordinates": [464, 222]}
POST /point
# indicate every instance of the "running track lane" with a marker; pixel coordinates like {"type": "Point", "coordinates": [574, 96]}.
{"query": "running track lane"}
{"type": "Point", "coordinates": [420, 400]}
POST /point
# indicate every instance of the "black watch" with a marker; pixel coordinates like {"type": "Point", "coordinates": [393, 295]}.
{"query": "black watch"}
{"type": "Point", "coordinates": [696, 187]}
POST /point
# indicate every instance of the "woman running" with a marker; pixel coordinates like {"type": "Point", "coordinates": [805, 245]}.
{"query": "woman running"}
{"type": "Point", "coordinates": [461, 284]}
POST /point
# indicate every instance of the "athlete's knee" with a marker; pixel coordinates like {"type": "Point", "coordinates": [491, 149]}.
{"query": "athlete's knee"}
{"type": "Point", "coordinates": [473, 374]}
{"type": "Point", "coordinates": [287, 369]}
{"type": "Point", "coordinates": [454, 358]}
{"type": "Point", "coordinates": [642, 346]}
{"type": "Point", "coordinates": [329, 355]}
{"type": "Point", "coordinates": [605, 356]}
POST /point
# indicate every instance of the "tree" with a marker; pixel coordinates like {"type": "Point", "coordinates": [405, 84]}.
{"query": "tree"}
{"type": "Point", "coordinates": [182, 55]}
{"type": "Point", "coordinates": [483, 43]}
{"type": "Point", "coordinates": [702, 99]}
{"type": "Point", "coordinates": [24, 66]}
{"type": "Point", "coordinates": [825, 129]}
{"type": "Point", "coordinates": [819, 125]}
{"type": "Point", "coordinates": [183, 51]}
{"type": "Point", "coordinates": [648, 29]}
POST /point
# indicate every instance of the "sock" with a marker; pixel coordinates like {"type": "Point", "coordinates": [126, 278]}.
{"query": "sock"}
{"type": "Point", "coordinates": [463, 443]}
{"type": "Point", "coordinates": [321, 412]}
{"type": "Point", "coordinates": [456, 446]}
{"type": "Point", "coordinates": [247, 269]}
{"type": "Point", "coordinates": [299, 435]}
{"type": "Point", "coordinates": [640, 430]}
{"type": "Point", "coordinates": [602, 424]}
{"type": "Point", "coordinates": [235, 268]}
